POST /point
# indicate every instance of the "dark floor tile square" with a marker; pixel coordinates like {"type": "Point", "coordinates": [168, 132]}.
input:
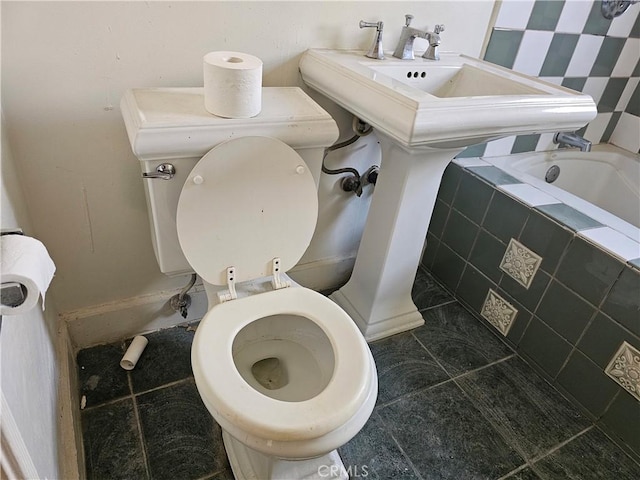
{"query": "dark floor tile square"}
{"type": "Point", "coordinates": [166, 359]}
{"type": "Point", "coordinates": [373, 454]}
{"type": "Point", "coordinates": [446, 437]}
{"type": "Point", "coordinates": [404, 366]}
{"type": "Point", "coordinates": [449, 183]}
{"type": "Point", "coordinates": [588, 271]}
{"type": "Point", "coordinates": [100, 376]}
{"type": "Point", "coordinates": [112, 447]}
{"type": "Point", "coordinates": [457, 340]}
{"type": "Point", "coordinates": [591, 456]}
{"type": "Point", "coordinates": [430, 250]}
{"type": "Point", "coordinates": [181, 437]}
{"type": "Point", "coordinates": [427, 293]}
{"type": "Point", "coordinates": [531, 416]}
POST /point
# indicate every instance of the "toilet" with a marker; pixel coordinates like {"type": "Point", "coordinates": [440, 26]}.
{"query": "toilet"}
{"type": "Point", "coordinates": [281, 368]}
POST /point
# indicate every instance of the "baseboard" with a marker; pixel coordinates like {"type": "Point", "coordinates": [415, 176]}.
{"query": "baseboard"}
{"type": "Point", "coordinates": [113, 321]}
{"type": "Point", "coordinates": [70, 448]}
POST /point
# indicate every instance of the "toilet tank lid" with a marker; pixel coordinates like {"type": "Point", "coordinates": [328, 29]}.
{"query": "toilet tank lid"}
{"type": "Point", "coordinates": [164, 123]}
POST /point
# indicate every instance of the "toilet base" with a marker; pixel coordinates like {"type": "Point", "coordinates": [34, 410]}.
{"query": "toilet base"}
{"type": "Point", "coordinates": [248, 464]}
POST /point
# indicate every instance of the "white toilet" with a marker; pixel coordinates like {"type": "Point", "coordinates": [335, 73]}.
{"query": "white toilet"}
{"type": "Point", "coordinates": [283, 370]}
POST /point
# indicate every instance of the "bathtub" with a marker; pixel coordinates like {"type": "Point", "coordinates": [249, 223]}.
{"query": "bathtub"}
{"type": "Point", "coordinates": [603, 184]}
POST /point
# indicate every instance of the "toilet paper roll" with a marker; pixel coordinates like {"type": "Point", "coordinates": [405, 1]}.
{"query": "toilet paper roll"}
{"type": "Point", "coordinates": [132, 355]}
{"type": "Point", "coordinates": [232, 84]}
{"type": "Point", "coordinates": [25, 260]}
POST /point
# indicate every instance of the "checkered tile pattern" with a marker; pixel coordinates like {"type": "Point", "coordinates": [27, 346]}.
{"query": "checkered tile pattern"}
{"type": "Point", "coordinates": [570, 43]}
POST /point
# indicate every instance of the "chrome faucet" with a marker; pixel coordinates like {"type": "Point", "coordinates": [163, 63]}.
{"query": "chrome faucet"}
{"type": "Point", "coordinates": [572, 139]}
{"type": "Point", "coordinates": [404, 49]}
{"type": "Point", "coordinates": [376, 47]}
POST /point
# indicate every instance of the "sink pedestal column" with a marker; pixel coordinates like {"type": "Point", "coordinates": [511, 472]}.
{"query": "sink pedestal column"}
{"type": "Point", "coordinates": [378, 294]}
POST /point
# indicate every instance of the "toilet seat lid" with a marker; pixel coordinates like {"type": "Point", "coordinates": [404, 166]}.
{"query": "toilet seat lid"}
{"type": "Point", "coordinates": [247, 201]}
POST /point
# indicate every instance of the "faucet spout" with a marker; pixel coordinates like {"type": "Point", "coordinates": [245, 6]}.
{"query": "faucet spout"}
{"type": "Point", "coordinates": [404, 49]}
{"type": "Point", "coordinates": [572, 139]}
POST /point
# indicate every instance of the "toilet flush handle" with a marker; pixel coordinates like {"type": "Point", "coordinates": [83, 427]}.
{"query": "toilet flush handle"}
{"type": "Point", "coordinates": [165, 171]}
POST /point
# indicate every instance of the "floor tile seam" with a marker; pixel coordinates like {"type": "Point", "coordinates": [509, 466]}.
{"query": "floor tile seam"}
{"type": "Point", "coordinates": [496, 428]}
{"type": "Point", "coordinates": [514, 471]}
{"type": "Point", "coordinates": [143, 444]}
{"type": "Point", "coordinates": [431, 307]}
{"type": "Point", "coordinates": [558, 446]}
{"type": "Point", "coordinates": [411, 394]}
{"type": "Point", "coordinates": [166, 385]}
{"type": "Point", "coordinates": [397, 444]}
{"type": "Point", "coordinates": [435, 359]}
{"type": "Point", "coordinates": [208, 476]}
{"type": "Point", "coordinates": [105, 404]}
{"type": "Point", "coordinates": [483, 367]}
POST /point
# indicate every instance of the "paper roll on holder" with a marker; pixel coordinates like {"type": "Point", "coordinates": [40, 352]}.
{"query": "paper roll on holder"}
{"type": "Point", "coordinates": [12, 294]}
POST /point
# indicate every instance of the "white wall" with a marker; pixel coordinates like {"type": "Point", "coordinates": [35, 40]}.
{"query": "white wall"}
{"type": "Point", "coordinates": [28, 368]}
{"type": "Point", "coordinates": [65, 67]}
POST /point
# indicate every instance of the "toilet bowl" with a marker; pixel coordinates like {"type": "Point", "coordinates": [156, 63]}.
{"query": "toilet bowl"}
{"type": "Point", "coordinates": [283, 370]}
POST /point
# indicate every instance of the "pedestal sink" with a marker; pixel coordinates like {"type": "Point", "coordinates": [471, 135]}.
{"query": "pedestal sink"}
{"type": "Point", "coordinates": [424, 113]}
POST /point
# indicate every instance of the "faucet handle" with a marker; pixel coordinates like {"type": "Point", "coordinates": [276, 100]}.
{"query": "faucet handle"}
{"type": "Point", "coordinates": [407, 19]}
{"type": "Point", "coordinates": [378, 25]}
{"type": "Point", "coordinates": [438, 28]}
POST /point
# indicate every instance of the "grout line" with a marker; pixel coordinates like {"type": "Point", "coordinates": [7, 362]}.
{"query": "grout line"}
{"type": "Point", "coordinates": [160, 387]}
{"type": "Point", "coordinates": [404, 454]}
{"type": "Point", "coordinates": [559, 446]}
{"type": "Point", "coordinates": [143, 444]}
{"type": "Point", "coordinates": [517, 470]}
{"type": "Point", "coordinates": [106, 403]}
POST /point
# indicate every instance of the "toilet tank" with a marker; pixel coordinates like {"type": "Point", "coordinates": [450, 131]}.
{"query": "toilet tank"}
{"type": "Point", "coordinates": [171, 125]}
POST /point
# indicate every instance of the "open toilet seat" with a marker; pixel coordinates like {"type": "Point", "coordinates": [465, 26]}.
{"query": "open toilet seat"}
{"type": "Point", "coordinates": [263, 416]}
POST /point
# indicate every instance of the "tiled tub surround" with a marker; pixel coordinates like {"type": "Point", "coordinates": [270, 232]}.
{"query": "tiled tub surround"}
{"type": "Point", "coordinates": [570, 43]}
{"type": "Point", "coordinates": [528, 268]}
{"type": "Point", "coordinates": [454, 402]}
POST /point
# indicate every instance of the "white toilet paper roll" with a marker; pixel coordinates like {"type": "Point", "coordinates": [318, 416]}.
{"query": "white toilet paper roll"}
{"type": "Point", "coordinates": [25, 260]}
{"type": "Point", "coordinates": [232, 84]}
{"type": "Point", "coordinates": [132, 355]}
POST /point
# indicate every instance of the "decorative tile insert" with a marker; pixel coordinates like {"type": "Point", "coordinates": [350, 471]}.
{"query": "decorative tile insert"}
{"type": "Point", "coordinates": [498, 312]}
{"type": "Point", "coordinates": [520, 263]}
{"type": "Point", "coordinates": [624, 368]}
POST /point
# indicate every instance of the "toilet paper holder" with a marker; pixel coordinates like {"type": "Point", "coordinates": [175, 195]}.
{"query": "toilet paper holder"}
{"type": "Point", "coordinates": [12, 294]}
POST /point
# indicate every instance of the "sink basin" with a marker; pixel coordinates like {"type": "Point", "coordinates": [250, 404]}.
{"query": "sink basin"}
{"type": "Point", "coordinates": [454, 102]}
{"type": "Point", "coordinates": [424, 113]}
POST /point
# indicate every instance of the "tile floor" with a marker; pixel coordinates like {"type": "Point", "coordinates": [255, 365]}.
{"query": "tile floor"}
{"type": "Point", "coordinates": [454, 402]}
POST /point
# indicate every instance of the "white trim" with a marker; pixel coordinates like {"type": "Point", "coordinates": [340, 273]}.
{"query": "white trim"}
{"type": "Point", "coordinates": [14, 455]}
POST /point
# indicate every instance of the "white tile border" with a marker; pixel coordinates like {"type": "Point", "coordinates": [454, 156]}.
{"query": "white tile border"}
{"type": "Point", "coordinates": [498, 312]}
{"type": "Point", "coordinates": [528, 194]}
{"type": "Point", "coordinates": [624, 369]}
{"type": "Point", "coordinates": [614, 242]}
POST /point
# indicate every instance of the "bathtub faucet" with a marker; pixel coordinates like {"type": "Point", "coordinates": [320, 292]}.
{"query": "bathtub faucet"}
{"type": "Point", "coordinates": [572, 139]}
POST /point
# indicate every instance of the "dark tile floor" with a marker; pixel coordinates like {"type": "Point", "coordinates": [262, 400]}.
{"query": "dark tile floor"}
{"type": "Point", "coordinates": [454, 402]}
